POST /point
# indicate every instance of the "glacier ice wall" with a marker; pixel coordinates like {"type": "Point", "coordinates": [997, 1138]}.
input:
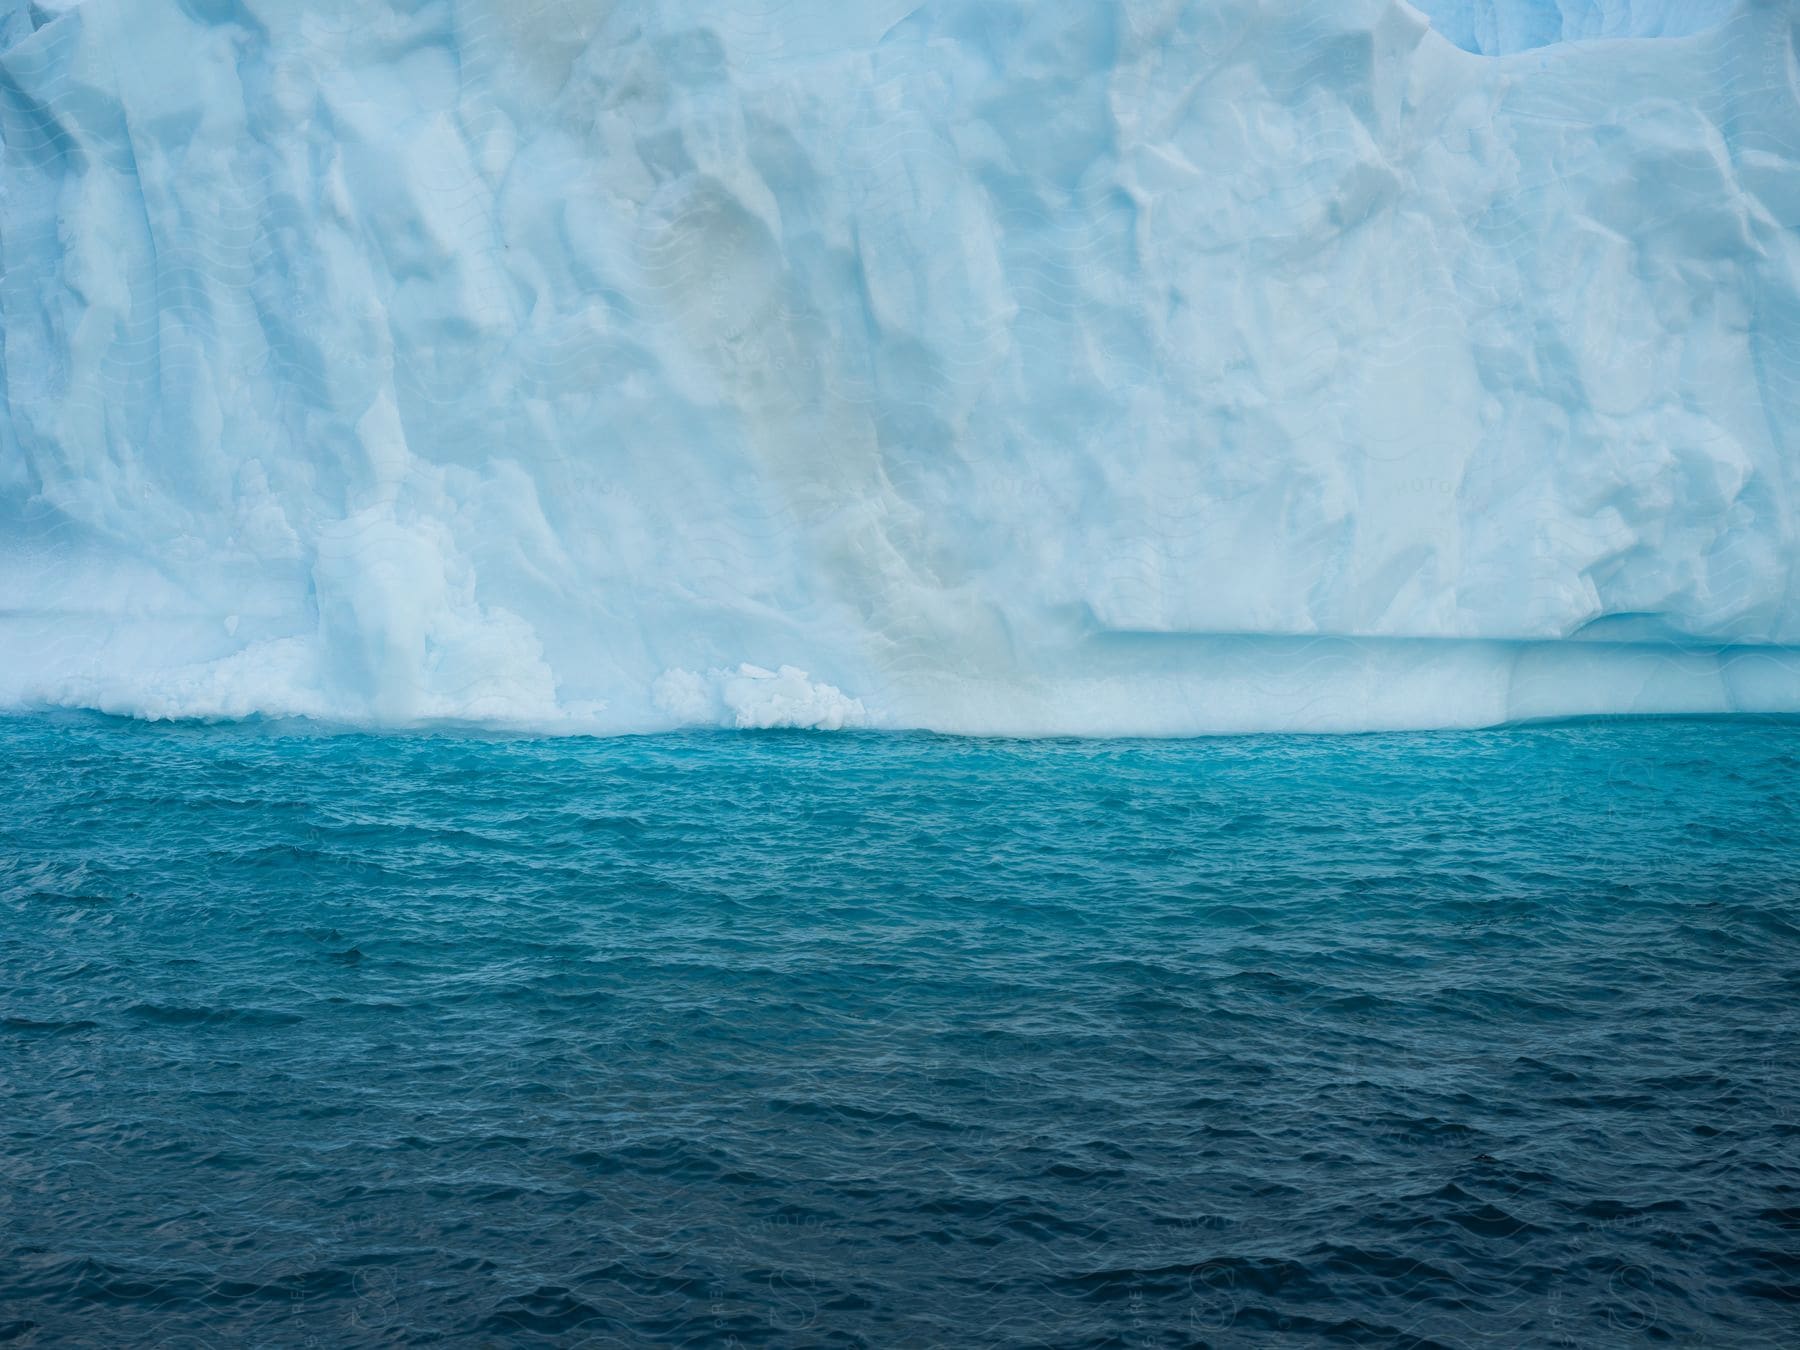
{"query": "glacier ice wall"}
{"type": "Point", "coordinates": [1139, 366]}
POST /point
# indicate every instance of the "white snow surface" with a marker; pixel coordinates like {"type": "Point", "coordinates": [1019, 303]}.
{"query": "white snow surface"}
{"type": "Point", "coordinates": [1148, 366]}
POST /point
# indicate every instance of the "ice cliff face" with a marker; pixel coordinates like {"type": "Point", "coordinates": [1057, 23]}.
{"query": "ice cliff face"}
{"type": "Point", "coordinates": [1148, 365]}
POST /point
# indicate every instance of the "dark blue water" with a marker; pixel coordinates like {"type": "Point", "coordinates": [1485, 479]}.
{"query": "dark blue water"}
{"type": "Point", "coordinates": [901, 1041]}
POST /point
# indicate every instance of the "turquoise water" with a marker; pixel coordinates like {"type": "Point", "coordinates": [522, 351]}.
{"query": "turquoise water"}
{"type": "Point", "coordinates": [888, 1040]}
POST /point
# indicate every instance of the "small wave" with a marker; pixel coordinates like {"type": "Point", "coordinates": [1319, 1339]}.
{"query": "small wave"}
{"type": "Point", "coordinates": [181, 1015]}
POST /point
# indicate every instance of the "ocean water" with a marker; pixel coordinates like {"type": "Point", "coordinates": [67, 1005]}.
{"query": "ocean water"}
{"type": "Point", "coordinates": [794, 1039]}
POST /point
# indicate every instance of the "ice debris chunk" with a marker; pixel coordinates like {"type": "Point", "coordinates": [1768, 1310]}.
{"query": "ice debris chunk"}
{"type": "Point", "coordinates": [751, 698]}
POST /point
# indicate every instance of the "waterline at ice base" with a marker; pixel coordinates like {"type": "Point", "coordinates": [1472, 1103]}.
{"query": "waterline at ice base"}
{"type": "Point", "coordinates": [1145, 367]}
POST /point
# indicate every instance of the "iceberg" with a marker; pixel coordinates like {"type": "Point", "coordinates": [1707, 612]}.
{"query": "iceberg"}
{"type": "Point", "coordinates": [1124, 367]}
